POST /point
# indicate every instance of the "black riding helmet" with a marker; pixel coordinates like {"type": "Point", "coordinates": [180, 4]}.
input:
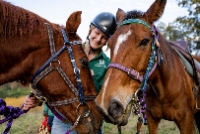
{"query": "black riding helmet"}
{"type": "Point", "coordinates": [106, 22]}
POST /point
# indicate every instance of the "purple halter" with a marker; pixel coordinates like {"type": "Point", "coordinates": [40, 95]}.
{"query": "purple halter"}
{"type": "Point", "coordinates": [131, 72]}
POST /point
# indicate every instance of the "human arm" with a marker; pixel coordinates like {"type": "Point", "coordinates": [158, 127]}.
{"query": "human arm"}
{"type": "Point", "coordinates": [30, 102]}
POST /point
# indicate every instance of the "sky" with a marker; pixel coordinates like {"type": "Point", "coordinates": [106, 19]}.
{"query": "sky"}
{"type": "Point", "coordinates": [58, 11]}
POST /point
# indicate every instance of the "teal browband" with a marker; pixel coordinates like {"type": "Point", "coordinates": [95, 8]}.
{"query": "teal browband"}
{"type": "Point", "coordinates": [130, 21]}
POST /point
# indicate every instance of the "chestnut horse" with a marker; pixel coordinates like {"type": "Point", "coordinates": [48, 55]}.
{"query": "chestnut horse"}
{"type": "Point", "coordinates": [141, 57]}
{"type": "Point", "coordinates": [28, 55]}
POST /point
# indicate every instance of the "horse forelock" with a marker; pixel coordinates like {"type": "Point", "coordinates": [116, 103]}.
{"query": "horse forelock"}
{"type": "Point", "coordinates": [134, 14]}
{"type": "Point", "coordinates": [16, 21]}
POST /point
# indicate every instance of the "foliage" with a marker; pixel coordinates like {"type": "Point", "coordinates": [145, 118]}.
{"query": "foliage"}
{"type": "Point", "coordinates": [13, 90]}
{"type": "Point", "coordinates": [186, 27]}
{"type": "Point", "coordinates": [171, 32]}
{"type": "Point", "coordinates": [191, 23]}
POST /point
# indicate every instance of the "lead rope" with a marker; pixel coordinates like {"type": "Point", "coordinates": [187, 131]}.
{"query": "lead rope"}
{"type": "Point", "coordinates": [75, 124]}
{"type": "Point", "coordinates": [140, 100]}
{"type": "Point", "coordinates": [139, 125]}
{"type": "Point", "coordinates": [119, 129]}
{"type": "Point", "coordinates": [10, 113]}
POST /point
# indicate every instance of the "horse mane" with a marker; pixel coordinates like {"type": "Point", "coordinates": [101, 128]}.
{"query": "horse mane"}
{"type": "Point", "coordinates": [134, 14]}
{"type": "Point", "coordinates": [15, 20]}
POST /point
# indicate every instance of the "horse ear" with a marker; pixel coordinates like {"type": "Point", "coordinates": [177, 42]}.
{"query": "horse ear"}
{"type": "Point", "coordinates": [120, 15]}
{"type": "Point", "coordinates": [73, 22]}
{"type": "Point", "coordinates": [155, 11]}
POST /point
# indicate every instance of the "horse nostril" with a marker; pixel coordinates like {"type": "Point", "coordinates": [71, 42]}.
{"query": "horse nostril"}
{"type": "Point", "coordinates": [116, 109]}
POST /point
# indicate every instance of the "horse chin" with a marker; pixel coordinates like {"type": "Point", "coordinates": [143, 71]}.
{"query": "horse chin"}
{"type": "Point", "coordinates": [90, 129]}
{"type": "Point", "coordinates": [90, 124]}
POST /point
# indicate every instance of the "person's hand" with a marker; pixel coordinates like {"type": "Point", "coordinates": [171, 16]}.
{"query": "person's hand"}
{"type": "Point", "coordinates": [30, 102]}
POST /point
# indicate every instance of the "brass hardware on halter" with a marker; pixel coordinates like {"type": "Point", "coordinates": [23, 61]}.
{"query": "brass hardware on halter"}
{"type": "Point", "coordinates": [132, 76]}
{"type": "Point", "coordinates": [197, 106]}
{"type": "Point", "coordinates": [58, 63]}
{"type": "Point", "coordinates": [75, 124]}
{"type": "Point", "coordinates": [85, 114]}
{"type": "Point", "coordinates": [136, 103]}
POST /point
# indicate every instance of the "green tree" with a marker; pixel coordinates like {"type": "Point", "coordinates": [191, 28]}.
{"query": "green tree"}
{"type": "Point", "coordinates": [190, 24]}
{"type": "Point", "coordinates": [171, 31]}
{"type": "Point", "coordinates": [186, 27]}
{"type": "Point", "coordinates": [13, 89]}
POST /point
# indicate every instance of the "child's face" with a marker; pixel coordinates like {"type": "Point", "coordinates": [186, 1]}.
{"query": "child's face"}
{"type": "Point", "coordinates": [97, 39]}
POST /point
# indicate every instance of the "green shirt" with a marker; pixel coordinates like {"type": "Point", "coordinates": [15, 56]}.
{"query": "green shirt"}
{"type": "Point", "coordinates": [47, 111]}
{"type": "Point", "coordinates": [98, 66]}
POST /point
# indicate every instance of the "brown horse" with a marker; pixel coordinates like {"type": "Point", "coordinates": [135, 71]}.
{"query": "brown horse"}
{"type": "Point", "coordinates": [141, 57]}
{"type": "Point", "coordinates": [27, 42]}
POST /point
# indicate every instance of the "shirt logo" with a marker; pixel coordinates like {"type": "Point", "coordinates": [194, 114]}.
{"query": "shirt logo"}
{"type": "Point", "coordinates": [101, 64]}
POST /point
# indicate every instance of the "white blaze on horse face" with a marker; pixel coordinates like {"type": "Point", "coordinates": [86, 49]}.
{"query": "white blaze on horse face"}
{"type": "Point", "coordinates": [103, 94]}
{"type": "Point", "coordinates": [120, 39]}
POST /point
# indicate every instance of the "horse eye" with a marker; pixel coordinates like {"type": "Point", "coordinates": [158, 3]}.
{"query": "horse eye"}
{"type": "Point", "coordinates": [144, 42]}
{"type": "Point", "coordinates": [84, 62]}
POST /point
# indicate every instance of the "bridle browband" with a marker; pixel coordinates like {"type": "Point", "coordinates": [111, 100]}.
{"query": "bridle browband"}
{"type": "Point", "coordinates": [47, 67]}
{"type": "Point", "coordinates": [139, 100]}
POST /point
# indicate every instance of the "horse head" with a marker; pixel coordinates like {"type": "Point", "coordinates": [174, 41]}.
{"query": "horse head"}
{"type": "Point", "coordinates": [131, 49]}
{"type": "Point", "coordinates": [51, 58]}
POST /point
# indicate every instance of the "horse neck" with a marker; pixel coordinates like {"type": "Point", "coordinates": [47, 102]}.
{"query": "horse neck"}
{"type": "Point", "coordinates": [166, 70]}
{"type": "Point", "coordinates": [17, 22]}
{"type": "Point", "coordinates": [23, 38]}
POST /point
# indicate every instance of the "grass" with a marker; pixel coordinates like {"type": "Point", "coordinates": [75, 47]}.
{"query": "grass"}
{"type": "Point", "coordinates": [165, 127]}
{"type": "Point", "coordinates": [13, 90]}
{"type": "Point", "coordinates": [14, 95]}
{"type": "Point", "coordinates": [27, 123]}
{"type": "Point", "coordinates": [30, 122]}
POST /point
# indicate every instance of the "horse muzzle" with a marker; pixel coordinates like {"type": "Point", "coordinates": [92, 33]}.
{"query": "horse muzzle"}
{"type": "Point", "coordinates": [117, 114]}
